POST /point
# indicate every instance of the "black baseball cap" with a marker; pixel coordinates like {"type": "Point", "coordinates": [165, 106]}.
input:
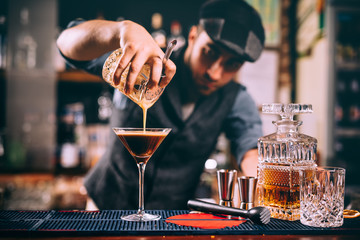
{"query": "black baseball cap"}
{"type": "Point", "coordinates": [235, 25]}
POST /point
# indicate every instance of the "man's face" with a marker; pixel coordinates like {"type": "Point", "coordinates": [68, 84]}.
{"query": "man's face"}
{"type": "Point", "coordinates": [212, 66]}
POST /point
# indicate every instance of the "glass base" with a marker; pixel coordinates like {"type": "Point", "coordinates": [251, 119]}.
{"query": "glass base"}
{"type": "Point", "coordinates": [322, 223]}
{"type": "Point", "coordinates": [141, 217]}
{"type": "Point", "coordinates": [284, 213]}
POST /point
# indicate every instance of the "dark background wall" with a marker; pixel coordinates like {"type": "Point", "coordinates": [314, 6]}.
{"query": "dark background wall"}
{"type": "Point", "coordinates": [140, 11]}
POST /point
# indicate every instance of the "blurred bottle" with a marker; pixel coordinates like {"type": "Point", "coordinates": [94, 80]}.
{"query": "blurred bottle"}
{"type": "Point", "coordinates": [81, 137]}
{"type": "Point", "coordinates": [2, 149]}
{"type": "Point", "coordinates": [354, 108]}
{"type": "Point", "coordinates": [98, 141]}
{"type": "Point", "coordinates": [16, 152]}
{"type": "Point", "coordinates": [25, 53]}
{"type": "Point", "coordinates": [105, 105]}
{"type": "Point", "coordinates": [72, 141]}
{"type": "Point", "coordinates": [339, 113]}
{"type": "Point", "coordinates": [3, 41]}
{"type": "Point", "coordinates": [176, 34]}
{"type": "Point", "coordinates": [157, 32]}
{"type": "Point", "coordinates": [20, 142]}
{"type": "Point", "coordinates": [340, 106]}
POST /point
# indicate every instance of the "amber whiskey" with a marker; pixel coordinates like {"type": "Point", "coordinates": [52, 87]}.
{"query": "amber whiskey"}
{"type": "Point", "coordinates": [279, 190]}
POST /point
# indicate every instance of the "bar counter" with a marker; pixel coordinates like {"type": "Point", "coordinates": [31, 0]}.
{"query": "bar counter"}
{"type": "Point", "coordinates": [107, 224]}
{"type": "Point", "coordinates": [209, 237]}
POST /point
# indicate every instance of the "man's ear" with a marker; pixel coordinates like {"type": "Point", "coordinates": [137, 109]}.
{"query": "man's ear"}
{"type": "Point", "coordinates": [193, 33]}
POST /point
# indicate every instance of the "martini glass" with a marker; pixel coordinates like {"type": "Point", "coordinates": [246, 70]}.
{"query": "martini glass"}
{"type": "Point", "coordinates": [141, 144]}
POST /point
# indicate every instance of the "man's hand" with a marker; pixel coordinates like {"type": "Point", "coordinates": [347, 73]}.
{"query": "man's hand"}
{"type": "Point", "coordinates": [249, 163]}
{"type": "Point", "coordinates": [140, 48]}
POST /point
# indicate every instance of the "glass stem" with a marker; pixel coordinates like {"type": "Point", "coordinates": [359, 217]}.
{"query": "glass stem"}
{"type": "Point", "coordinates": [141, 167]}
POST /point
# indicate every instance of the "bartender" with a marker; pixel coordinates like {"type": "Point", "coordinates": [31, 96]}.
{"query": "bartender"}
{"type": "Point", "coordinates": [199, 103]}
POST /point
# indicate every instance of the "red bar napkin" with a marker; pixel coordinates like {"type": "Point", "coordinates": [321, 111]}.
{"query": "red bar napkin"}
{"type": "Point", "coordinates": [205, 220]}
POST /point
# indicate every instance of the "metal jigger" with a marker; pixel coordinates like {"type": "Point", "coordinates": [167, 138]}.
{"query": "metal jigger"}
{"type": "Point", "coordinates": [247, 187]}
{"type": "Point", "coordinates": [226, 180]}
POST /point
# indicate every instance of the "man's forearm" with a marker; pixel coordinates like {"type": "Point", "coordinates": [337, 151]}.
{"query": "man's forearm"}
{"type": "Point", "coordinates": [90, 39]}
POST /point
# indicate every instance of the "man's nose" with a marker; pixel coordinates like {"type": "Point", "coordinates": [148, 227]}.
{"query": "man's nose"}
{"type": "Point", "coordinates": [216, 70]}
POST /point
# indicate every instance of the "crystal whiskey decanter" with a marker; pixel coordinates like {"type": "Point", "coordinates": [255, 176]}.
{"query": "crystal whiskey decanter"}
{"type": "Point", "coordinates": [281, 155]}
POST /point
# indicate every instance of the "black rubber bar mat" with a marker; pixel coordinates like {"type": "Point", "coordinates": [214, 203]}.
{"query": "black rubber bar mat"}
{"type": "Point", "coordinates": [108, 223]}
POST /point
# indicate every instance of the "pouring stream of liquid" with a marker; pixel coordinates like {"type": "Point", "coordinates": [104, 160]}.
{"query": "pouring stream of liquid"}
{"type": "Point", "coordinates": [166, 57]}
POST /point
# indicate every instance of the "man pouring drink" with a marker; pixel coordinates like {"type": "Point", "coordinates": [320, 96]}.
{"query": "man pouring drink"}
{"type": "Point", "coordinates": [199, 102]}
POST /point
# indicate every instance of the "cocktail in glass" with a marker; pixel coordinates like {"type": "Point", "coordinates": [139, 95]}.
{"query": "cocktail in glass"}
{"type": "Point", "coordinates": [141, 144]}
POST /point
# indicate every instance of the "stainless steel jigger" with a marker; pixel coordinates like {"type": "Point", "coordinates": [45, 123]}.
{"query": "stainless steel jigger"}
{"type": "Point", "coordinates": [247, 187]}
{"type": "Point", "coordinates": [226, 180]}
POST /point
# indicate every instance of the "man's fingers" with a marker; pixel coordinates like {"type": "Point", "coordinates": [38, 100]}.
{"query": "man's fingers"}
{"type": "Point", "coordinates": [155, 72]}
{"type": "Point", "coordinates": [124, 61]}
{"type": "Point", "coordinates": [169, 71]}
{"type": "Point", "coordinates": [135, 68]}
